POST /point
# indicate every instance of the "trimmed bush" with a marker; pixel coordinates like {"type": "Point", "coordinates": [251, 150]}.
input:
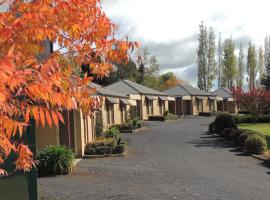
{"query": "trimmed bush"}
{"type": "Point", "coordinates": [234, 135]}
{"type": "Point", "coordinates": [226, 132]}
{"type": "Point", "coordinates": [224, 121]}
{"type": "Point", "coordinates": [256, 144]}
{"type": "Point", "coordinates": [55, 160]}
{"type": "Point", "coordinates": [244, 135]}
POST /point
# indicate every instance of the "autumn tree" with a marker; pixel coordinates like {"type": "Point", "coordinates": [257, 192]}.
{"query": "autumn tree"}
{"type": "Point", "coordinates": [167, 80]}
{"type": "Point", "coordinates": [240, 70]}
{"type": "Point", "coordinates": [255, 101]}
{"type": "Point", "coordinates": [251, 66]}
{"type": "Point", "coordinates": [229, 68]}
{"type": "Point", "coordinates": [32, 87]}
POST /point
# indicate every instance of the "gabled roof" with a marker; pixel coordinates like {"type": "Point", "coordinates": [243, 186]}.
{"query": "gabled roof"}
{"type": "Point", "coordinates": [127, 87]}
{"type": "Point", "coordinates": [187, 90]}
{"type": "Point", "coordinates": [223, 92]}
{"type": "Point", "coordinates": [106, 91]}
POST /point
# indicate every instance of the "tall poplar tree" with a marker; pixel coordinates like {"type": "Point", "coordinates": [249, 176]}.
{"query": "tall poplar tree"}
{"type": "Point", "coordinates": [251, 66]}
{"type": "Point", "coordinates": [220, 58]}
{"type": "Point", "coordinates": [229, 68]}
{"type": "Point", "coordinates": [211, 61]}
{"type": "Point", "coordinates": [240, 71]}
{"type": "Point", "coordinates": [202, 57]}
{"type": "Point", "coordinates": [261, 63]}
{"type": "Point", "coordinates": [266, 76]}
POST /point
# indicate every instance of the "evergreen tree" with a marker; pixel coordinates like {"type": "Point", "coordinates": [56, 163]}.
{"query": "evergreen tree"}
{"type": "Point", "coordinates": [240, 71]}
{"type": "Point", "coordinates": [220, 58]}
{"type": "Point", "coordinates": [266, 76]}
{"type": "Point", "coordinates": [251, 66]}
{"type": "Point", "coordinates": [229, 68]}
{"type": "Point", "coordinates": [211, 68]}
{"type": "Point", "coordinates": [202, 57]}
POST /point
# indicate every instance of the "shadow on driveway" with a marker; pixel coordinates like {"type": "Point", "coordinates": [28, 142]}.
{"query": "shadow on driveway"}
{"type": "Point", "coordinates": [216, 142]}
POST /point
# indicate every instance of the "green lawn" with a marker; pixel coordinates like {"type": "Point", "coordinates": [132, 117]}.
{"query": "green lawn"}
{"type": "Point", "coordinates": [260, 127]}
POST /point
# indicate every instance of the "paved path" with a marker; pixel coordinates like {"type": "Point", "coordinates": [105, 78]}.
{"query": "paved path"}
{"type": "Point", "coordinates": [171, 160]}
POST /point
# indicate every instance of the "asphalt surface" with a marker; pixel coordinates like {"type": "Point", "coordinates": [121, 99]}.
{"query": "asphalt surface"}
{"type": "Point", "coordinates": [168, 160]}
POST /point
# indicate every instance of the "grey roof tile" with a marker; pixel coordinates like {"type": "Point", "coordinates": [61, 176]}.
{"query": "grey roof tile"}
{"type": "Point", "coordinates": [107, 91]}
{"type": "Point", "coordinates": [187, 90]}
{"type": "Point", "coordinates": [223, 92]}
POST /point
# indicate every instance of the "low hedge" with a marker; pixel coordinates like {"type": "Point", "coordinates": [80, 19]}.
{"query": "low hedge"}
{"type": "Point", "coordinates": [205, 114]}
{"type": "Point", "coordinates": [156, 118]}
{"type": "Point", "coordinates": [242, 119]}
{"type": "Point", "coordinates": [55, 160]}
{"type": "Point", "coordinates": [211, 128]}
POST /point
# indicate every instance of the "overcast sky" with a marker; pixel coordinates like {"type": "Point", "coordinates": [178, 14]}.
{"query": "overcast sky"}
{"type": "Point", "coordinates": [170, 28]}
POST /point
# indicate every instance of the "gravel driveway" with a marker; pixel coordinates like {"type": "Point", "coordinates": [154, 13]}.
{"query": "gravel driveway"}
{"type": "Point", "coordinates": [168, 160]}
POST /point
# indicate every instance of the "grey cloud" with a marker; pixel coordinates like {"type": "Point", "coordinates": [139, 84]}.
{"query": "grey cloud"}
{"type": "Point", "coordinates": [175, 54]}
{"type": "Point", "coordinates": [243, 40]}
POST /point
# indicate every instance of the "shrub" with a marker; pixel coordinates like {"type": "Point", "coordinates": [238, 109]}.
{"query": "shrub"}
{"type": "Point", "coordinates": [55, 160]}
{"type": "Point", "coordinates": [224, 121]}
{"type": "Point", "coordinates": [234, 135]}
{"type": "Point", "coordinates": [211, 128]}
{"type": "Point", "coordinates": [256, 144]}
{"type": "Point", "coordinates": [112, 132]}
{"type": "Point", "coordinates": [244, 135]}
{"type": "Point", "coordinates": [226, 132]}
{"type": "Point", "coordinates": [135, 122]}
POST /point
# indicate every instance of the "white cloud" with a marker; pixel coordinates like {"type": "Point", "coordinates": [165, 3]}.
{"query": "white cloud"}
{"type": "Point", "coordinates": [166, 24]}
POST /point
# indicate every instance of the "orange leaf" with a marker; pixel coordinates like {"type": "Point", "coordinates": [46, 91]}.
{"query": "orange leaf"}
{"type": "Point", "coordinates": [42, 116]}
{"type": "Point", "coordinates": [48, 117]}
{"type": "Point", "coordinates": [26, 116]}
{"type": "Point", "coordinates": [60, 117]}
{"type": "Point", "coordinates": [55, 118]}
